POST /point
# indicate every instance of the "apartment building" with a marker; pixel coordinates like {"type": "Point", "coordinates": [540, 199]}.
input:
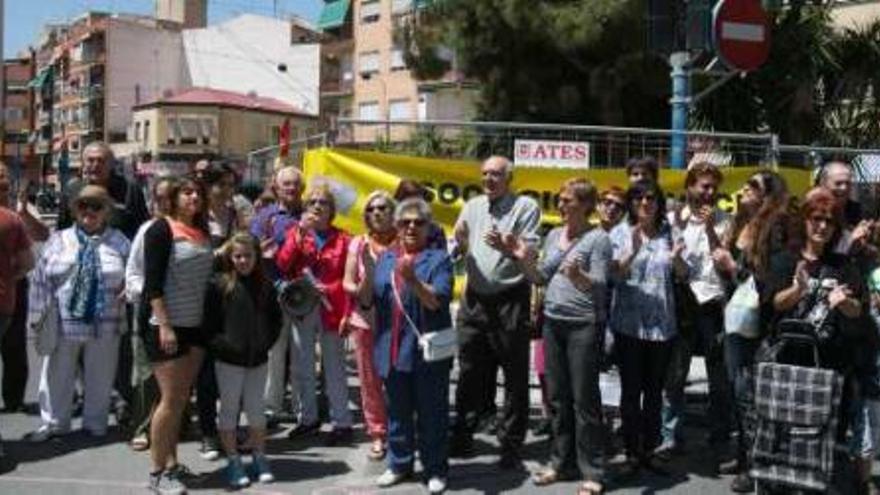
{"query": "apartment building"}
{"type": "Point", "coordinates": [18, 121]}
{"type": "Point", "coordinates": [381, 85]}
{"type": "Point", "coordinates": [180, 128]}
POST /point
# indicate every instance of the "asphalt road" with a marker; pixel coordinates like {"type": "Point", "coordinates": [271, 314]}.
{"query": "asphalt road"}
{"type": "Point", "coordinates": [77, 464]}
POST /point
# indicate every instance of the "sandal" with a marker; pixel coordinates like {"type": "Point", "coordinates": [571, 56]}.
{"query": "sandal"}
{"type": "Point", "coordinates": [377, 450]}
{"type": "Point", "coordinates": [590, 488]}
{"type": "Point", "coordinates": [140, 443]}
{"type": "Point", "coordinates": [546, 477]}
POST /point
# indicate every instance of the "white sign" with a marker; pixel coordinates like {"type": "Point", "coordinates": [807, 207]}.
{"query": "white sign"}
{"type": "Point", "coordinates": [551, 154]}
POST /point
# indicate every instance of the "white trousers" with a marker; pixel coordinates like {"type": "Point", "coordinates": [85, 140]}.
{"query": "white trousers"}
{"type": "Point", "coordinates": [58, 377]}
{"type": "Point", "coordinates": [241, 390]}
{"type": "Point", "coordinates": [282, 356]}
{"type": "Point", "coordinates": [305, 333]}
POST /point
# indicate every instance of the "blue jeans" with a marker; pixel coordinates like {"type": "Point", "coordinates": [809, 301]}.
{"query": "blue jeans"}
{"type": "Point", "coordinates": [707, 334]}
{"type": "Point", "coordinates": [418, 415]}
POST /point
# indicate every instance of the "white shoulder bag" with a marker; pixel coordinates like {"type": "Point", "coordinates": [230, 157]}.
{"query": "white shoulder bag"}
{"type": "Point", "coordinates": [436, 346]}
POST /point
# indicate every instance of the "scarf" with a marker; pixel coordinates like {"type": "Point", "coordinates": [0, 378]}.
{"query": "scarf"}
{"type": "Point", "coordinates": [86, 303]}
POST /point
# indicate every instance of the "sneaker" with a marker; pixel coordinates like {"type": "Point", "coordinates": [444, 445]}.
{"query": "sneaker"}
{"type": "Point", "coordinates": [42, 434]}
{"type": "Point", "coordinates": [235, 474]}
{"type": "Point", "coordinates": [303, 430]}
{"type": "Point", "coordinates": [166, 483]}
{"type": "Point", "coordinates": [210, 449]}
{"type": "Point", "coordinates": [436, 485]}
{"type": "Point", "coordinates": [259, 469]}
{"type": "Point", "coordinates": [729, 467]}
{"type": "Point", "coordinates": [390, 478]}
{"type": "Point", "coordinates": [666, 450]}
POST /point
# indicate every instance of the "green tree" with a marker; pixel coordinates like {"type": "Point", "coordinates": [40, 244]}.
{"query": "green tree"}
{"type": "Point", "coordinates": [578, 61]}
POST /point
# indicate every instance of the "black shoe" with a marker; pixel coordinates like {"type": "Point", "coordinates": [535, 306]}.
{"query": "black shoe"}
{"type": "Point", "coordinates": [543, 428]}
{"type": "Point", "coordinates": [510, 460]}
{"type": "Point", "coordinates": [339, 436]}
{"type": "Point", "coordinates": [302, 430]}
{"type": "Point", "coordinates": [742, 484]}
{"type": "Point", "coordinates": [461, 447]}
{"type": "Point", "coordinates": [729, 467]}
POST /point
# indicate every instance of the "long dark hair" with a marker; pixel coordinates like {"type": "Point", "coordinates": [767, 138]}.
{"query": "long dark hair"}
{"type": "Point", "coordinates": [769, 226]}
{"type": "Point", "coordinates": [177, 184]}
{"type": "Point", "coordinates": [640, 189]}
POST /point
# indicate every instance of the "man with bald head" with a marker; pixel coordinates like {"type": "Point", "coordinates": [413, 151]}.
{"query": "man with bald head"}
{"type": "Point", "coordinates": [270, 225]}
{"type": "Point", "coordinates": [837, 177]}
{"type": "Point", "coordinates": [493, 318]}
{"type": "Point", "coordinates": [129, 205]}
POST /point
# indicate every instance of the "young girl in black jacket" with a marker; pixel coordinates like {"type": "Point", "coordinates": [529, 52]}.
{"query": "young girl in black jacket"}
{"type": "Point", "coordinates": [243, 318]}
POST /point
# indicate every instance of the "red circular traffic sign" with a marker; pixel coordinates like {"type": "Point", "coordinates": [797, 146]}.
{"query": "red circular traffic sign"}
{"type": "Point", "coordinates": [742, 33]}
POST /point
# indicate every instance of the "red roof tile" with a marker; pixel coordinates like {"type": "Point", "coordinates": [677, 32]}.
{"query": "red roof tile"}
{"type": "Point", "coordinates": [209, 96]}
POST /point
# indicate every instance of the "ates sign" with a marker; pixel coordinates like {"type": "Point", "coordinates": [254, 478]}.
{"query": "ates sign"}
{"type": "Point", "coordinates": [742, 33]}
{"type": "Point", "coordinates": [558, 154]}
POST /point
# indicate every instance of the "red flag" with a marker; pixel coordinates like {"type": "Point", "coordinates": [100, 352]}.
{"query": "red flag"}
{"type": "Point", "coordinates": [284, 139]}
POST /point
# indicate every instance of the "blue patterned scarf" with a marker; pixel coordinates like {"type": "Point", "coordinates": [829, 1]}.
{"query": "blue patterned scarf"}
{"type": "Point", "coordinates": [86, 301]}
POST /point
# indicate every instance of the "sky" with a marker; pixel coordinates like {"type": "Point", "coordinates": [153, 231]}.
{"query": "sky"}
{"type": "Point", "coordinates": [24, 19]}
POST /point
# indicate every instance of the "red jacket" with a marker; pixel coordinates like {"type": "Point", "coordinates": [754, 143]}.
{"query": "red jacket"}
{"type": "Point", "coordinates": [300, 250]}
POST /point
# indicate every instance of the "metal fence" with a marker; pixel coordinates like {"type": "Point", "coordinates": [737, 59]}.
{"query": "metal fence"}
{"type": "Point", "coordinates": [609, 146]}
{"type": "Point", "coordinates": [261, 162]}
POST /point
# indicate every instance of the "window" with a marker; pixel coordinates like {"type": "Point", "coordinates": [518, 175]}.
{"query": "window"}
{"type": "Point", "coordinates": [276, 134]}
{"type": "Point", "coordinates": [190, 130]}
{"type": "Point", "coordinates": [399, 110]}
{"type": "Point", "coordinates": [369, 62]}
{"type": "Point", "coordinates": [209, 131]}
{"type": "Point", "coordinates": [14, 113]}
{"type": "Point", "coordinates": [397, 60]}
{"type": "Point", "coordinates": [146, 131]}
{"type": "Point", "coordinates": [173, 131]}
{"type": "Point", "coordinates": [423, 106]}
{"type": "Point", "coordinates": [370, 10]}
{"type": "Point", "coordinates": [137, 132]}
{"type": "Point", "coordinates": [401, 6]}
{"type": "Point", "coordinates": [369, 110]}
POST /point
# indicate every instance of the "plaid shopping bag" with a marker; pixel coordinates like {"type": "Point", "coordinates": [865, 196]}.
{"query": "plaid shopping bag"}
{"type": "Point", "coordinates": [796, 410]}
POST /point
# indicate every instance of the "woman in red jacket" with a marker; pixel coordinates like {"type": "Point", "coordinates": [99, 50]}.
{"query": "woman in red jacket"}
{"type": "Point", "coordinates": [315, 251]}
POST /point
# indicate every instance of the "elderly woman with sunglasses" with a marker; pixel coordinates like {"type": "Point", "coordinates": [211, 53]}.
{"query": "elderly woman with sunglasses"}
{"type": "Point", "coordinates": [363, 252]}
{"type": "Point", "coordinates": [316, 250]}
{"type": "Point", "coordinates": [643, 319]}
{"type": "Point", "coordinates": [412, 288]}
{"type": "Point", "coordinates": [82, 273]}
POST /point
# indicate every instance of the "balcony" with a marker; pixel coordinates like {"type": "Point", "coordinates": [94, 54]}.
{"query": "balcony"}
{"type": "Point", "coordinates": [337, 87]}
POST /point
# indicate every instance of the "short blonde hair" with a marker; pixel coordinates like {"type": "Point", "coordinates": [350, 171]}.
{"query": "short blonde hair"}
{"type": "Point", "coordinates": [324, 191]}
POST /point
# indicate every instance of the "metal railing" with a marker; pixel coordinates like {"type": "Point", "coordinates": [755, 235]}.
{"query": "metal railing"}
{"type": "Point", "coordinates": [609, 146]}
{"type": "Point", "coordinates": [261, 162]}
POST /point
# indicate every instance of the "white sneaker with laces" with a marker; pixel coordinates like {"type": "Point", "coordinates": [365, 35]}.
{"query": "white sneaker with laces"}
{"type": "Point", "coordinates": [436, 485]}
{"type": "Point", "coordinates": [390, 478]}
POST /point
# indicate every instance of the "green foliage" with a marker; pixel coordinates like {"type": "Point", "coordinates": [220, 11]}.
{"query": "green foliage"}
{"type": "Point", "coordinates": [578, 61]}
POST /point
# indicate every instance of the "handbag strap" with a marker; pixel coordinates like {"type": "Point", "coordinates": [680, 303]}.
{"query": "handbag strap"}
{"type": "Point", "coordinates": [399, 302]}
{"type": "Point", "coordinates": [568, 250]}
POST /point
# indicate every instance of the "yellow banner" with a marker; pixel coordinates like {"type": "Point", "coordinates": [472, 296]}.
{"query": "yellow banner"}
{"type": "Point", "coordinates": [352, 175]}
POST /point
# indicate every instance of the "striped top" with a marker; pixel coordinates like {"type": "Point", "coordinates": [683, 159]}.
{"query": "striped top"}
{"type": "Point", "coordinates": [178, 263]}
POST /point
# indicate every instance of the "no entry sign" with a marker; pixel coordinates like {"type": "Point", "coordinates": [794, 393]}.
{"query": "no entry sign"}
{"type": "Point", "coordinates": [742, 33]}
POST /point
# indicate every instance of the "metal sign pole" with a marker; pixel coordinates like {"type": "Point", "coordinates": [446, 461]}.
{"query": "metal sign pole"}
{"type": "Point", "coordinates": [680, 102]}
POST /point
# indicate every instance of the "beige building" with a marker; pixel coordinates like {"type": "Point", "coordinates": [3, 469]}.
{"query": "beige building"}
{"type": "Point", "coordinates": [855, 14]}
{"type": "Point", "coordinates": [199, 122]}
{"type": "Point", "coordinates": [383, 87]}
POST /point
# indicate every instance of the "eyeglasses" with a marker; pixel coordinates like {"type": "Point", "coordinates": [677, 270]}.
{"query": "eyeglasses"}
{"type": "Point", "coordinates": [92, 205]}
{"type": "Point", "coordinates": [411, 222]}
{"type": "Point", "coordinates": [376, 208]}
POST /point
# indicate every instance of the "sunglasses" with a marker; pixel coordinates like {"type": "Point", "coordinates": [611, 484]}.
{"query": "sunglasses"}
{"type": "Point", "coordinates": [376, 208]}
{"type": "Point", "coordinates": [645, 197]}
{"type": "Point", "coordinates": [412, 222]}
{"type": "Point", "coordinates": [92, 205]}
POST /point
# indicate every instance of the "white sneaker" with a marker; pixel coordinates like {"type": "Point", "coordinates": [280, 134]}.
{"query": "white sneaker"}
{"type": "Point", "coordinates": [43, 433]}
{"type": "Point", "coordinates": [390, 478]}
{"type": "Point", "coordinates": [436, 485]}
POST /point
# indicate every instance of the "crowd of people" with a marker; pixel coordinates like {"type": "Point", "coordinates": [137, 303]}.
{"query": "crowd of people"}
{"type": "Point", "coordinates": [135, 309]}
